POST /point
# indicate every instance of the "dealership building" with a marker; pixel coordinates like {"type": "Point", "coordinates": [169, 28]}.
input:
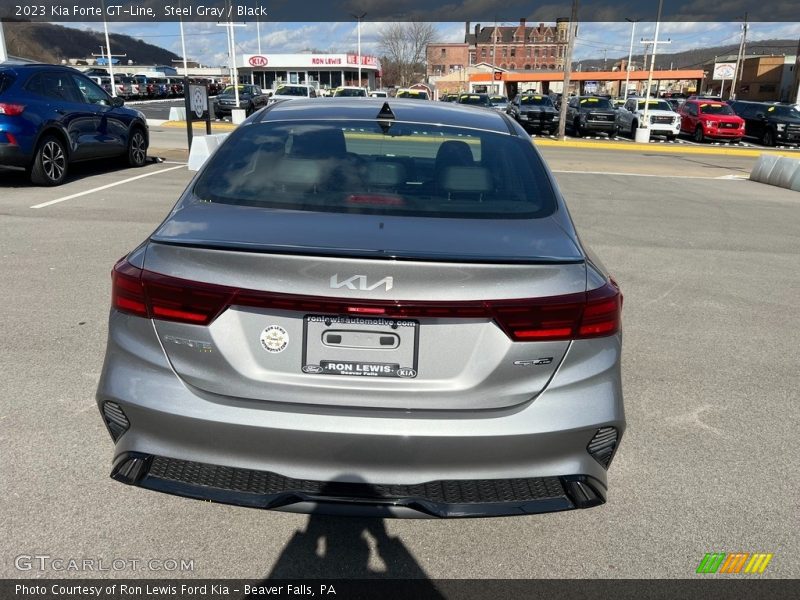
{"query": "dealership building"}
{"type": "Point", "coordinates": [322, 70]}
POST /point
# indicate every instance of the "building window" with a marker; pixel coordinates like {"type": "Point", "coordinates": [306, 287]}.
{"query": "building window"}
{"type": "Point", "coordinates": [472, 58]}
{"type": "Point", "coordinates": [553, 51]}
{"type": "Point", "coordinates": [513, 52]}
{"type": "Point", "coordinates": [483, 53]}
{"type": "Point", "coordinates": [504, 66]}
{"type": "Point", "coordinates": [505, 51]}
{"type": "Point", "coordinates": [512, 66]}
{"type": "Point", "coordinates": [561, 51]}
{"type": "Point", "coordinates": [767, 88]}
{"type": "Point", "coordinates": [536, 52]}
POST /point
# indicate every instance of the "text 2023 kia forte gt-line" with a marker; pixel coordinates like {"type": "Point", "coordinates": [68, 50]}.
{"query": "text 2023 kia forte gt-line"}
{"type": "Point", "coordinates": [367, 308]}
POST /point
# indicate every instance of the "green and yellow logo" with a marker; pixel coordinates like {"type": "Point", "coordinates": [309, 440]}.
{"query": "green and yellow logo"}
{"type": "Point", "coordinates": [736, 562]}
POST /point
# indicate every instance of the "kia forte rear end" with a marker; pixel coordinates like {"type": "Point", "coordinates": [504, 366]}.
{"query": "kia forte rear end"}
{"type": "Point", "coordinates": [367, 308]}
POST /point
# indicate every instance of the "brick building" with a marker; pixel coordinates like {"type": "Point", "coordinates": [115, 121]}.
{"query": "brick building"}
{"type": "Point", "coordinates": [514, 48]}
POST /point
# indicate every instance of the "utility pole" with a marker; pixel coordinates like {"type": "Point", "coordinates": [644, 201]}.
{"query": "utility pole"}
{"type": "Point", "coordinates": [183, 45]}
{"type": "Point", "coordinates": [571, 33]}
{"type": "Point", "coordinates": [494, 52]}
{"type": "Point", "coordinates": [739, 59]}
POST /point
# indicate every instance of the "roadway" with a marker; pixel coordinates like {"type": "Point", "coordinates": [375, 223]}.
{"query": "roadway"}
{"type": "Point", "coordinates": [707, 262]}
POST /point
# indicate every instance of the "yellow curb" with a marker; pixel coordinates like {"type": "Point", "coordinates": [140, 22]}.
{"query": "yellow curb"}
{"type": "Point", "coordinates": [182, 125]}
{"type": "Point", "coordinates": [664, 148]}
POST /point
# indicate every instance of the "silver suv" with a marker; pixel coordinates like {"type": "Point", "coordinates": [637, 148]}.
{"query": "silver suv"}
{"type": "Point", "coordinates": [367, 306]}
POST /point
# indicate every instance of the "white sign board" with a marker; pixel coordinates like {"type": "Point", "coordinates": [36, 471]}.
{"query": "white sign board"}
{"type": "Point", "coordinates": [198, 100]}
{"type": "Point", "coordinates": [724, 71]}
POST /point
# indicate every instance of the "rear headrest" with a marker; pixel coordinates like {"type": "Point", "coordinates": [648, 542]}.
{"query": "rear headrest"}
{"type": "Point", "coordinates": [465, 179]}
{"type": "Point", "coordinates": [303, 173]}
{"type": "Point", "coordinates": [386, 174]}
{"type": "Point", "coordinates": [319, 143]}
{"type": "Point", "coordinates": [454, 153]}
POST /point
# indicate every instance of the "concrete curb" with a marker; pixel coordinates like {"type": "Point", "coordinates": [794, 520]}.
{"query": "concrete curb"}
{"type": "Point", "coordinates": [780, 171]}
{"type": "Point", "coordinates": [220, 125]}
{"type": "Point", "coordinates": [663, 148]}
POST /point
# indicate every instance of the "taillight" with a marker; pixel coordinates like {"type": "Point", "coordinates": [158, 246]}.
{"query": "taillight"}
{"type": "Point", "coordinates": [573, 316]}
{"type": "Point", "coordinates": [12, 110]}
{"type": "Point", "coordinates": [127, 292]}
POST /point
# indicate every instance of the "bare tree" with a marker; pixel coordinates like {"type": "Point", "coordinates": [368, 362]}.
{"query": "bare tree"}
{"type": "Point", "coordinates": [405, 44]}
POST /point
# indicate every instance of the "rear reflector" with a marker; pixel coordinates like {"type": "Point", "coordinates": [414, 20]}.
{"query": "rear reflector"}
{"type": "Point", "coordinates": [572, 316]}
{"type": "Point", "coordinates": [12, 110]}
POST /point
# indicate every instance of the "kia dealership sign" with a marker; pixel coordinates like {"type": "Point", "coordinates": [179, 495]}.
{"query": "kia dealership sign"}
{"type": "Point", "coordinates": [291, 62]}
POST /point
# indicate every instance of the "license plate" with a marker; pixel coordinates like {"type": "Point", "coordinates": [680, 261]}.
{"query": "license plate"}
{"type": "Point", "coordinates": [356, 346]}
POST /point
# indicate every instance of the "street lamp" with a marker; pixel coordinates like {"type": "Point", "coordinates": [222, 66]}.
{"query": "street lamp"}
{"type": "Point", "coordinates": [633, 23]}
{"type": "Point", "coordinates": [358, 30]}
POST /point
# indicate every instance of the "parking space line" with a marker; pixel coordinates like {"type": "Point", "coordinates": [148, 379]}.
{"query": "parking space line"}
{"type": "Point", "coordinates": [104, 187]}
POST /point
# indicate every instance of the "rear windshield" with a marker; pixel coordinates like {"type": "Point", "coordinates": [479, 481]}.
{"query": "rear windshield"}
{"type": "Point", "coordinates": [357, 167]}
{"type": "Point", "coordinates": [715, 108]}
{"type": "Point", "coordinates": [292, 90]}
{"type": "Point", "coordinates": [536, 100]}
{"type": "Point", "coordinates": [595, 103]}
{"type": "Point", "coordinates": [5, 81]}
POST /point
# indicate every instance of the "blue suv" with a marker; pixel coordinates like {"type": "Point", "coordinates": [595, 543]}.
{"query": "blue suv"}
{"type": "Point", "coordinates": [52, 116]}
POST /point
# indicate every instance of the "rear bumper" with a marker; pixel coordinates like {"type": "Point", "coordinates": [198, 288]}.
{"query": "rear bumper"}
{"type": "Point", "coordinates": [13, 156]}
{"type": "Point", "coordinates": [443, 499]}
{"type": "Point", "coordinates": [525, 459]}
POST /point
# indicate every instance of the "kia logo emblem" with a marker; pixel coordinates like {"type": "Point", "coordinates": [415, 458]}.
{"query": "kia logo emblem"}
{"type": "Point", "coordinates": [258, 61]}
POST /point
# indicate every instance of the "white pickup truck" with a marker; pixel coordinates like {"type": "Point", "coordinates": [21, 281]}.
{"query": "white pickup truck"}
{"type": "Point", "coordinates": [663, 120]}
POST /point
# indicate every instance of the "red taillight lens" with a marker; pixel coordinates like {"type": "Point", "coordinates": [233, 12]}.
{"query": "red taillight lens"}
{"type": "Point", "coordinates": [127, 292]}
{"type": "Point", "coordinates": [12, 110]}
{"type": "Point", "coordinates": [572, 316]}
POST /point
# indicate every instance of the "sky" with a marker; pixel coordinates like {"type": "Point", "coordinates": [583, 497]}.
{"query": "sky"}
{"type": "Point", "coordinates": [206, 42]}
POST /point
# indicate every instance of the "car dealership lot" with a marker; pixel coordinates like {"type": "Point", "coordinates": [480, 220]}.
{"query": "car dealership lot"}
{"type": "Point", "coordinates": [708, 265]}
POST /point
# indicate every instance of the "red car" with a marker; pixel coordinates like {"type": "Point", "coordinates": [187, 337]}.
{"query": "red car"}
{"type": "Point", "coordinates": [711, 119]}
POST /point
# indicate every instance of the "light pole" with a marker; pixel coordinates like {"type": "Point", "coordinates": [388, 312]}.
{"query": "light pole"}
{"type": "Point", "coordinates": [739, 59]}
{"type": "Point", "coordinates": [644, 126]}
{"type": "Point", "coordinates": [108, 50]}
{"type": "Point", "coordinates": [3, 53]}
{"type": "Point", "coordinates": [183, 44]}
{"type": "Point", "coordinates": [630, 56]}
{"type": "Point", "coordinates": [358, 33]}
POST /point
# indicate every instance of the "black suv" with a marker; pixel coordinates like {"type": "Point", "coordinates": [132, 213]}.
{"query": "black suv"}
{"type": "Point", "coordinates": [769, 122]}
{"type": "Point", "coordinates": [590, 113]}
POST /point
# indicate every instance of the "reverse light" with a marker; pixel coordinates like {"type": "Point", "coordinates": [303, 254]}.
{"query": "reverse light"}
{"type": "Point", "coordinates": [12, 110]}
{"type": "Point", "coordinates": [582, 315]}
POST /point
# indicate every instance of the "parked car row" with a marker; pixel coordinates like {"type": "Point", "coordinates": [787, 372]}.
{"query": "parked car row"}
{"type": "Point", "coordinates": [144, 87]}
{"type": "Point", "coordinates": [703, 118]}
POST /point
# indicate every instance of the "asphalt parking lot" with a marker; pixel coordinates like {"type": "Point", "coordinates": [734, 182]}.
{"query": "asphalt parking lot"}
{"type": "Point", "coordinates": [708, 263]}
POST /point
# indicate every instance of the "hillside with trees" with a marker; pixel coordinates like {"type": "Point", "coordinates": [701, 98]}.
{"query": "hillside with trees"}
{"type": "Point", "coordinates": [45, 42]}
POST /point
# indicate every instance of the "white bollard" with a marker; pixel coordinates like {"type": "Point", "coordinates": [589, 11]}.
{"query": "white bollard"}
{"type": "Point", "coordinates": [177, 113]}
{"type": "Point", "coordinates": [642, 135]}
{"type": "Point", "coordinates": [203, 146]}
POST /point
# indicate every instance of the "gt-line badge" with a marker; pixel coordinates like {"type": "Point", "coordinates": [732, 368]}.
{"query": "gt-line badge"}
{"type": "Point", "coordinates": [274, 339]}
